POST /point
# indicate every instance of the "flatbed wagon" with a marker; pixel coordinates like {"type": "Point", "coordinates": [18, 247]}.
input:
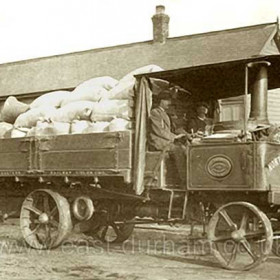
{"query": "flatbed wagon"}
{"type": "Point", "coordinates": [109, 181]}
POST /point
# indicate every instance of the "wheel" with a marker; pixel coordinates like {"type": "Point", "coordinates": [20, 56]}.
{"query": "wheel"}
{"type": "Point", "coordinates": [45, 219]}
{"type": "Point", "coordinates": [113, 232]}
{"type": "Point", "coordinates": [240, 235]}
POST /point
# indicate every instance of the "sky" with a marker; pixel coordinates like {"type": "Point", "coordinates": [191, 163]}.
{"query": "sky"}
{"type": "Point", "coordinates": [38, 28]}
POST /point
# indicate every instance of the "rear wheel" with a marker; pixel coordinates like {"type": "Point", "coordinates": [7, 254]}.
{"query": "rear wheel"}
{"type": "Point", "coordinates": [113, 232]}
{"type": "Point", "coordinates": [45, 219]}
{"type": "Point", "coordinates": [241, 236]}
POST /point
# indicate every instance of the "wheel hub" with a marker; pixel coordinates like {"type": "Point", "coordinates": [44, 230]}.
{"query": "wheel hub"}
{"type": "Point", "coordinates": [43, 218]}
{"type": "Point", "coordinates": [238, 235]}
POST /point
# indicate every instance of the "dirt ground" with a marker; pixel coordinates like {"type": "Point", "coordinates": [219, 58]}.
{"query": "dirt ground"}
{"type": "Point", "coordinates": [148, 254]}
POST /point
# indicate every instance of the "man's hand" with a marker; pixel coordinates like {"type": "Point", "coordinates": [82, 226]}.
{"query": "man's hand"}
{"type": "Point", "coordinates": [180, 136]}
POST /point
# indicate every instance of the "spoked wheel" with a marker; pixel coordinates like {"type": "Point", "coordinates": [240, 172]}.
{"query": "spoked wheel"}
{"type": "Point", "coordinates": [113, 232]}
{"type": "Point", "coordinates": [241, 236]}
{"type": "Point", "coordinates": [45, 219]}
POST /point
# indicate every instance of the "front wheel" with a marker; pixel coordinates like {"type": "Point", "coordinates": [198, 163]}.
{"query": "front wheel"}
{"type": "Point", "coordinates": [241, 236]}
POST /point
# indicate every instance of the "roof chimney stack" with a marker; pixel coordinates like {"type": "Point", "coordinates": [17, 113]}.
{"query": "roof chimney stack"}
{"type": "Point", "coordinates": [160, 25]}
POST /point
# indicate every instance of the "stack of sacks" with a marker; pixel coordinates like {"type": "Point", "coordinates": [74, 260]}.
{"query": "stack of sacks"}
{"type": "Point", "coordinates": [12, 108]}
{"type": "Point", "coordinates": [96, 105]}
{"type": "Point", "coordinates": [118, 107]}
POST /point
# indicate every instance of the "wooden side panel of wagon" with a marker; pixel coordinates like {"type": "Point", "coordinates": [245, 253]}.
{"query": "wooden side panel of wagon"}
{"type": "Point", "coordinates": [86, 154]}
{"type": "Point", "coordinates": [15, 154]}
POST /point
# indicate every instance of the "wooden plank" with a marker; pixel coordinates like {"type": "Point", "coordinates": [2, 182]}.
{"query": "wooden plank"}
{"type": "Point", "coordinates": [102, 140]}
{"type": "Point", "coordinates": [11, 145]}
{"type": "Point", "coordinates": [14, 161]}
{"type": "Point", "coordinates": [124, 158]}
{"type": "Point", "coordinates": [14, 154]}
{"type": "Point", "coordinates": [79, 160]}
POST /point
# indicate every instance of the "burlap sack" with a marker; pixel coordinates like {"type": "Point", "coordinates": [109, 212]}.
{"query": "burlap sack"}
{"type": "Point", "coordinates": [80, 110]}
{"type": "Point", "coordinates": [97, 127]}
{"type": "Point", "coordinates": [123, 90]}
{"type": "Point", "coordinates": [4, 127]}
{"type": "Point", "coordinates": [44, 128]}
{"type": "Point", "coordinates": [79, 126]}
{"type": "Point", "coordinates": [31, 132]}
{"type": "Point", "coordinates": [30, 118]}
{"type": "Point", "coordinates": [145, 69]}
{"type": "Point", "coordinates": [106, 110]}
{"type": "Point", "coordinates": [105, 82]}
{"type": "Point", "coordinates": [19, 132]}
{"type": "Point", "coordinates": [91, 94]}
{"type": "Point", "coordinates": [12, 108]}
{"type": "Point", "coordinates": [53, 99]}
{"type": "Point", "coordinates": [119, 125]}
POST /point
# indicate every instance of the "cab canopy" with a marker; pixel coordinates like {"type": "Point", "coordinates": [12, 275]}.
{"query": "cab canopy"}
{"type": "Point", "coordinates": [203, 83]}
{"type": "Point", "coordinates": [219, 80]}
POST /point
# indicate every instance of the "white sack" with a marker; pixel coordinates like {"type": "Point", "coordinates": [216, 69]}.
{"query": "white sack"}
{"type": "Point", "coordinates": [119, 125]}
{"type": "Point", "coordinates": [19, 132]}
{"type": "Point", "coordinates": [4, 127]}
{"type": "Point", "coordinates": [79, 126]}
{"type": "Point", "coordinates": [31, 132]}
{"type": "Point", "coordinates": [80, 110]}
{"type": "Point", "coordinates": [123, 90]}
{"type": "Point", "coordinates": [145, 69]}
{"type": "Point", "coordinates": [53, 98]}
{"type": "Point", "coordinates": [109, 109]}
{"type": "Point", "coordinates": [88, 94]}
{"type": "Point", "coordinates": [30, 118]}
{"type": "Point", "coordinates": [97, 127]}
{"type": "Point", "coordinates": [12, 108]}
{"type": "Point", "coordinates": [105, 82]}
{"type": "Point", "coordinates": [51, 128]}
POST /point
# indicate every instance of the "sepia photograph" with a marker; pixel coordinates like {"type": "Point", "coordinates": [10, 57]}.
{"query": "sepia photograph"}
{"type": "Point", "coordinates": [139, 140]}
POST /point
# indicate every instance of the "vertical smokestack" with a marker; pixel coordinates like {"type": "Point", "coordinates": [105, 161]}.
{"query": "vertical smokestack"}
{"type": "Point", "coordinates": [160, 25]}
{"type": "Point", "coordinates": [259, 93]}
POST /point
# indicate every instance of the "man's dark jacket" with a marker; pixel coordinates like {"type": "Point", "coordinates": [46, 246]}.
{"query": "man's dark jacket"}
{"type": "Point", "coordinates": [160, 134]}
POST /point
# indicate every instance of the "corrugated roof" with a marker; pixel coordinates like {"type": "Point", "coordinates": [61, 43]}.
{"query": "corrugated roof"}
{"type": "Point", "coordinates": [68, 70]}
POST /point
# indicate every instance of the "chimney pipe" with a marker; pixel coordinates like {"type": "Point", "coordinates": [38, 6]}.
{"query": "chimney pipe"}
{"type": "Point", "coordinates": [258, 112]}
{"type": "Point", "coordinates": [160, 25]}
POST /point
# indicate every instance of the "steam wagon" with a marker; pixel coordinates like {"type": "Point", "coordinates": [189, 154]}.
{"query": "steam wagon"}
{"type": "Point", "coordinates": [105, 183]}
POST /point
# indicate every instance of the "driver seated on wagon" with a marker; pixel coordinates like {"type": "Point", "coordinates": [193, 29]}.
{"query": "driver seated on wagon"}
{"type": "Point", "coordinates": [161, 138]}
